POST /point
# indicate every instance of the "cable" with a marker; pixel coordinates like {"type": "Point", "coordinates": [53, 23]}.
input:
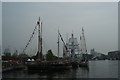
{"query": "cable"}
{"type": "Point", "coordinates": [30, 38]}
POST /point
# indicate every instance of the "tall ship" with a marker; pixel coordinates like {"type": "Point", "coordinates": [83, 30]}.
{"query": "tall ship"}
{"type": "Point", "coordinates": [76, 50]}
{"type": "Point", "coordinates": [72, 53]}
{"type": "Point", "coordinates": [40, 63]}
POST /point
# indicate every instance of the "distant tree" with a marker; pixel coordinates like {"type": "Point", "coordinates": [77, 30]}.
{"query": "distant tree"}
{"type": "Point", "coordinates": [15, 55]}
{"type": "Point", "coordinates": [23, 56]}
{"type": "Point", "coordinates": [6, 54]}
{"type": "Point", "coordinates": [50, 56]}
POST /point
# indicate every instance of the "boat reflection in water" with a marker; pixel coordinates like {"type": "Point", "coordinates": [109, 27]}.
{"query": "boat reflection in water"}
{"type": "Point", "coordinates": [66, 73]}
{"type": "Point", "coordinates": [97, 69]}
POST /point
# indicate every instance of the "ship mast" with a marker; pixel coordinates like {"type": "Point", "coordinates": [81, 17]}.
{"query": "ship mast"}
{"type": "Point", "coordinates": [81, 44]}
{"type": "Point", "coordinates": [72, 43]}
{"type": "Point", "coordinates": [58, 43]}
{"type": "Point", "coordinates": [39, 23]}
{"type": "Point", "coordinates": [41, 41]}
{"type": "Point", "coordinates": [84, 49]}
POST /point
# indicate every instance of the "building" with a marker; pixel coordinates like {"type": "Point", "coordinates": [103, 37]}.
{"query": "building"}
{"type": "Point", "coordinates": [98, 56]}
{"type": "Point", "coordinates": [94, 53]}
{"type": "Point", "coordinates": [114, 55]}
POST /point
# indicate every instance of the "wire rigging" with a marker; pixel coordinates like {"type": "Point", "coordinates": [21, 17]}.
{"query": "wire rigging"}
{"type": "Point", "coordinates": [30, 38]}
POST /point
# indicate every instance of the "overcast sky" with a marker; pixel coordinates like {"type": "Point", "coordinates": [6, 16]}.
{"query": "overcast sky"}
{"type": "Point", "coordinates": [0, 26]}
{"type": "Point", "coordinates": [99, 20]}
{"type": "Point", "coordinates": [119, 27]}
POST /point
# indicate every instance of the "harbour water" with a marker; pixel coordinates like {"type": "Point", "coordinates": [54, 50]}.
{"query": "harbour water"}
{"type": "Point", "coordinates": [97, 69]}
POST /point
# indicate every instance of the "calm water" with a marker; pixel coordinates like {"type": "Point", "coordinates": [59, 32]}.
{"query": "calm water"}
{"type": "Point", "coordinates": [97, 69]}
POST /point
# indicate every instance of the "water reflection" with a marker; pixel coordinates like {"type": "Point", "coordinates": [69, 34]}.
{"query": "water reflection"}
{"type": "Point", "coordinates": [83, 72]}
{"type": "Point", "coordinates": [70, 73]}
{"type": "Point", "coordinates": [97, 69]}
{"type": "Point", "coordinates": [103, 69]}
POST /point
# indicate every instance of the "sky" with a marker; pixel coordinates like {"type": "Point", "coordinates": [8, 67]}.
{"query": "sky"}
{"type": "Point", "coordinates": [0, 27]}
{"type": "Point", "coordinates": [99, 20]}
{"type": "Point", "coordinates": [119, 27]}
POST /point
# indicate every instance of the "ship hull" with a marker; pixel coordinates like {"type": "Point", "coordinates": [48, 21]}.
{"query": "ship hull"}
{"type": "Point", "coordinates": [44, 66]}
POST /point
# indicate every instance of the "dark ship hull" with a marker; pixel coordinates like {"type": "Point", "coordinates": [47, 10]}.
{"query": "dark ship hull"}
{"type": "Point", "coordinates": [43, 66]}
